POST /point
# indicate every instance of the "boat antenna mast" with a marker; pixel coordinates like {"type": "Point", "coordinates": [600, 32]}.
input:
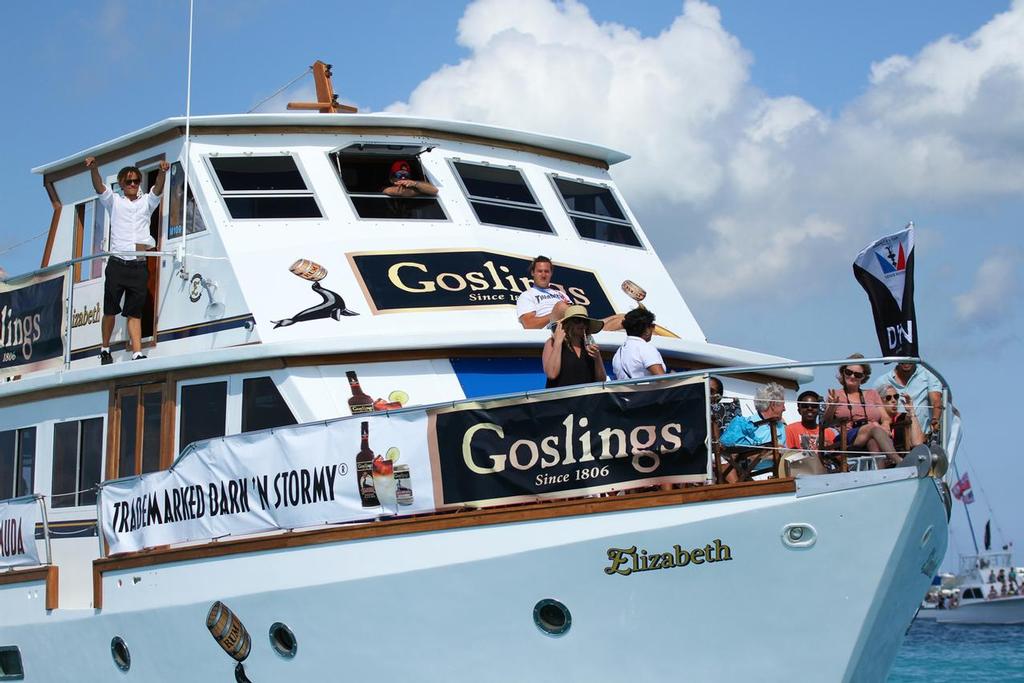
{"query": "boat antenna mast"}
{"type": "Point", "coordinates": [183, 270]}
{"type": "Point", "coordinates": [326, 98]}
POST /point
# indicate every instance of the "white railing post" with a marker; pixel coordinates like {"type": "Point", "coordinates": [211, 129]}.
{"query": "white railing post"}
{"type": "Point", "coordinates": [70, 303]}
{"type": "Point", "coordinates": [46, 528]}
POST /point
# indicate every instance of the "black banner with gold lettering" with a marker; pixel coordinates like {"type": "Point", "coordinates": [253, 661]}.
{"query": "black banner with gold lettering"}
{"type": "Point", "coordinates": [579, 441]}
{"type": "Point", "coordinates": [32, 325]}
{"type": "Point", "coordinates": [399, 281]}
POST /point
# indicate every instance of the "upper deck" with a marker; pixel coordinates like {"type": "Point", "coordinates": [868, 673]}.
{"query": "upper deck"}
{"type": "Point", "coordinates": [380, 275]}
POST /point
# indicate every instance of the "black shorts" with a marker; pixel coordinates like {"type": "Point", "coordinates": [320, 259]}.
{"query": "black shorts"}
{"type": "Point", "coordinates": [127, 278]}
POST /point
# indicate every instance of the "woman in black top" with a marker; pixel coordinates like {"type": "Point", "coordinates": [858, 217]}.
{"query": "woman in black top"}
{"type": "Point", "coordinates": [568, 358]}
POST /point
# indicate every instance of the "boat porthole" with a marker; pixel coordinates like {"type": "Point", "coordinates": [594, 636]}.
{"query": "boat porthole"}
{"type": "Point", "coordinates": [552, 617]}
{"type": "Point", "coordinates": [11, 668]}
{"type": "Point", "coordinates": [119, 651]}
{"type": "Point", "coordinates": [799, 535]}
{"type": "Point", "coordinates": [283, 640]}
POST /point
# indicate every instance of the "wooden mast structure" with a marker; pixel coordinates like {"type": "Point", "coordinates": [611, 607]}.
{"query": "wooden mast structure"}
{"type": "Point", "coordinates": [327, 100]}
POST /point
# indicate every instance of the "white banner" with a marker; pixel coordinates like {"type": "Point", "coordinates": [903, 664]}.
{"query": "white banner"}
{"type": "Point", "coordinates": [290, 478]}
{"type": "Point", "coordinates": [18, 519]}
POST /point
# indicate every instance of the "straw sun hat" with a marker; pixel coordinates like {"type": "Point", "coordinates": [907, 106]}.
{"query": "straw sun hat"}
{"type": "Point", "coordinates": [576, 311]}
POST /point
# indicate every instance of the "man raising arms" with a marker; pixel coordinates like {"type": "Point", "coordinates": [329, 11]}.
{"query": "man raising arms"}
{"type": "Point", "coordinates": [126, 276]}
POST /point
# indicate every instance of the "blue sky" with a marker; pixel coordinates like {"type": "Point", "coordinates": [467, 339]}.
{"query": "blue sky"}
{"type": "Point", "coordinates": [781, 138]}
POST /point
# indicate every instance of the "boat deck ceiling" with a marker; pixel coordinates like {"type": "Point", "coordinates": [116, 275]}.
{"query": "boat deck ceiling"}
{"type": "Point", "coordinates": [532, 340]}
{"type": "Point", "coordinates": [416, 124]}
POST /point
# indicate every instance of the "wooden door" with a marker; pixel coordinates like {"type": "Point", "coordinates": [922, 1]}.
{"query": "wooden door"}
{"type": "Point", "coordinates": [141, 430]}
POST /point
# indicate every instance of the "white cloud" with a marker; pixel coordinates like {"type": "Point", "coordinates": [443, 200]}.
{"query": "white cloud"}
{"type": "Point", "coordinates": [755, 180]}
{"type": "Point", "coordinates": [994, 296]}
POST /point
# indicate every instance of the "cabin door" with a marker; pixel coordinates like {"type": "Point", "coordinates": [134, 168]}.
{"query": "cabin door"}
{"type": "Point", "coordinates": [141, 430]}
{"type": "Point", "coordinates": [153, 266]}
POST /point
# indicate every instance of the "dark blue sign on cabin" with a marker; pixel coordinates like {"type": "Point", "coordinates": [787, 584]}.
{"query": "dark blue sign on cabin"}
{"type": "Point", "coordinates": [403, 281]}
{"type": "Point", "coordinates": [31, 324]}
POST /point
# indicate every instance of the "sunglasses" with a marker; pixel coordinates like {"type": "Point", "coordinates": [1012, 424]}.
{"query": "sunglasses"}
{"type": "Point", "coordinates": [132, 181]}
{"type": "Point", "coordinates": [890, 397]}
{"type": "Point", "coordinates": [401, 175]}
{"type": "Point", "coordinates": [853, 373]}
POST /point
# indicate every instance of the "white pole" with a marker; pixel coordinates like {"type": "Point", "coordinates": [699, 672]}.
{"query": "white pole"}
{"type": "Point", "coordinates": [188, 117]}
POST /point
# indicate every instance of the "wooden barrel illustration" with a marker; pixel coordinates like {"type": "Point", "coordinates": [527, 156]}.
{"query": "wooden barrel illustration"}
{"type": "Point", "coordinates": [228, 631]}
{"type": "Point", "coordinates": [308, 270]}
{"type": "Point", "coordinates": [633, 290]}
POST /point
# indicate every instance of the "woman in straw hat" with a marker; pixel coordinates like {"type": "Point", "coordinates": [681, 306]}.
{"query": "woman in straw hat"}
{"type": "Point", "coordinates": [568, 358]}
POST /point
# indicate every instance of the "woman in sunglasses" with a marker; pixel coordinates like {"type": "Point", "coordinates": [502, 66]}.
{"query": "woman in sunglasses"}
{"type": "Point", "coordinates": [402, 184]}
{"type": "Point", "coordinates": [906, 426]}
{"type": "Point", "coordinates": [860, 411]}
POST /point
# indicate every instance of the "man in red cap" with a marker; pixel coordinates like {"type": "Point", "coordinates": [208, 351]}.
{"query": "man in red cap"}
{"type": "Point", "coordinates": [402, 184]}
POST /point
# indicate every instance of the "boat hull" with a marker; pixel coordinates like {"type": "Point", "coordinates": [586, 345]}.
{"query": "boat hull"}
{"type": "Point", "coordinates": [1008, 610]}
{"type": "Point", "coordinates": [458, 604]}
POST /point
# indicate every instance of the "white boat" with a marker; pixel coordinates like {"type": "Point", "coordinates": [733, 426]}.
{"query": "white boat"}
{"type": "Point", "coordinates": [479, 575]}
{"type": "Point", "coordinates": [985, 590]}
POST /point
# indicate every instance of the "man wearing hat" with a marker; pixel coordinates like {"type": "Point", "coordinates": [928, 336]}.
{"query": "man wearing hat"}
{"type": "Point", "coordinates": [402, 184]}
{"type": "Point", "coordinates": [570, 355]}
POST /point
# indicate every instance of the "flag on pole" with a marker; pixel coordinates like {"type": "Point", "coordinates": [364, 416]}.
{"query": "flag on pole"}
{"type": "Point", "coordinates": [885, 269]}
{"type": "Point", "coordinates": [962, 489]}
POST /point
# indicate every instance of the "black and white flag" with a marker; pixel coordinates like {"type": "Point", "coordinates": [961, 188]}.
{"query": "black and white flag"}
{"type": "Point", "coordinates": [885, 269]}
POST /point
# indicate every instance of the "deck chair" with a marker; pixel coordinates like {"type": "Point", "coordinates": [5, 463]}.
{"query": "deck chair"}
{"type": "Point", "coordinates": [743, 460]}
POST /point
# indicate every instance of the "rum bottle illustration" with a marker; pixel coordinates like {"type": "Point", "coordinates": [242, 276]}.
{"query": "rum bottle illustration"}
{"type": "Point", "coordinates": [364, 469]}
{"type": "Point", "coordinates": [360, 402]}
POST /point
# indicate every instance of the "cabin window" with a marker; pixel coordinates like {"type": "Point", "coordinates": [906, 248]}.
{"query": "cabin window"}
{"type": "Point", "coordinates": [203, 412]}
{"type": "Point", "coordinates": [77, 462]}
{"type": "Point", "coordinates": [195, 217]}
{"type": "Point", "coordinates": [500, 196]}
{"type": "Point", "coordinates": [139, 426]}
{"type": "Point", "coordinates": [90, 237]}
{"type": "Point", "coordinates": [17, 462]}
{"type": "Point", "coordinates": [595, 212]}
{"type": "Point", "coordinates": [365, 170]}
{"type": "Point", "coordinates": [263, 407]}
{"type": "Point", "coordinates": [264, 187]}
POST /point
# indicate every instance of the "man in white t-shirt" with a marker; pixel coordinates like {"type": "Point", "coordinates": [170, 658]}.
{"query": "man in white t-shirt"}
{"type": "Point", "coordinates": [541, 304]}
{"type": "Point", "coordinates": [126, 276]}
{"type": "Point", "coordinates": [638, 357]}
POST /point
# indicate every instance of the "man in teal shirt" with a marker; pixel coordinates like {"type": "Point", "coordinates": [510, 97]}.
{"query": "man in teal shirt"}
{"type": "Point", "coordinates": [923, 388]}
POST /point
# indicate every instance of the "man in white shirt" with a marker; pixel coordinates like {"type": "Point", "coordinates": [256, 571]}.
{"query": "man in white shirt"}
{"type": "Point", "coordinates": [126, 276]}
{"type": "Point", "coordinates": [541, 304]}
{"type": "Point", "coordinates": [638, 357]}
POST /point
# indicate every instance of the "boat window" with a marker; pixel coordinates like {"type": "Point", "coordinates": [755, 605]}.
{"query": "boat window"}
{"type": "Point", "coordinates": [365, 170]}
{"type": "Point", "coordinates": [138, 423]}
{"type": "Point", "coordinates": [195, 217]}
{"type": "Point", "coordinates": [500, 196]}
{"type": "Point", "coordinates": [263, 407]}
{"type": "Point", "coordinates": [264, 187]}
{"type": "Point", "coordinates": [17, 462]}
{"type": "Point", "coordinates": [595, 212]}
{"type": "Point", "coordinates": [90, 236]}
{"type": "Point", "coordinates": [203, 412]}
{"type": "Point", "coordinates": [77, 462]}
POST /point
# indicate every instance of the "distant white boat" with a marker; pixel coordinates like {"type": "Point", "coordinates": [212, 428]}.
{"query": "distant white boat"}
{"type": "Point", "coordinates": [975, 595]}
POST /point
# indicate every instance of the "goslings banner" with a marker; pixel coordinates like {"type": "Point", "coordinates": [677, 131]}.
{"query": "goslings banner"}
{"type": "Point", "coordinates": [586, 441]}
{"type": "Point", "coordinates": [32, 325]}
{"type": "Point", "coordinates": [399, 281]}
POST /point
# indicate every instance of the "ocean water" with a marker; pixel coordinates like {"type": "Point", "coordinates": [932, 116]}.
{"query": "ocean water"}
{"type": "Point", "coordinates": [937, 653]}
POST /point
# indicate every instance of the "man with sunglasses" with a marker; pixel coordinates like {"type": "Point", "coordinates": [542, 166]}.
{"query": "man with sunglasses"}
{"type": "Point", "coordinates": [126, 276]}
{"type": "Point", "coordinates": [402, 184]}
{"type": "Point", "coordinates": [923, 387]}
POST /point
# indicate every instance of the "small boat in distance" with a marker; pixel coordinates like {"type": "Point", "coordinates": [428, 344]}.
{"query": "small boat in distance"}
{"type": "Point", "coordinates": [339, 455]}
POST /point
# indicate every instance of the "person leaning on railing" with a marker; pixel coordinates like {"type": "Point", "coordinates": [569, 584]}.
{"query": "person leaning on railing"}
{"type": "Point", "coordinates": [859, 412]}
{"type": "Point", "coordinates": [126, 276]}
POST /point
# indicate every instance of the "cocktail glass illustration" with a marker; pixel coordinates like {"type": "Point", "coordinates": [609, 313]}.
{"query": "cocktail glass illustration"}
{"type": "Point", "coordinates": [385, 485]}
